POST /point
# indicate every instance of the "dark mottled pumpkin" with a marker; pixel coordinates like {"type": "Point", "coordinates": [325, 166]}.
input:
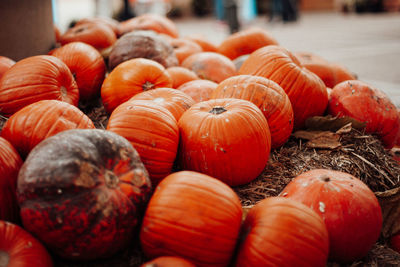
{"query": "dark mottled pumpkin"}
{"type": "Point", "coordinates": [82, 193]}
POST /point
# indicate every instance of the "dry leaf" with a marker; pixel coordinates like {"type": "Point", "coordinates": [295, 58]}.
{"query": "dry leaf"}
{"type": "Point", "coordinates": [329, 123]}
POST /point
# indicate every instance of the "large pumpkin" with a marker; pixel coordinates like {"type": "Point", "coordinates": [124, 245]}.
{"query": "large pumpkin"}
{"type": "Point", "coordinates": [226, 138]}
{"type": "Point", "coordinates": [130, 78]}
{"type": "Point", "coordinates": [5, 64]}
{"type": "Point", "coordinates": [283, 232]}
{"type": "Point", "coordinates": [193, 216]}
{"type": "Point", "coordinates": [268, 96]}
{"type": "Point", "coordinates": [36, 78]}
{"type": "Point", "coordinates": [348, 207]}
{"type": "Point", "coordinates": [152, 130]}
{"type": "Point", "coordinates": [20, 249]}
{"type": "Point", "coordinates": [368, 104]}
{"type": "Point", "coordinates": [10, 163]}
{"type": "Point", "coordinates": [30, 125]}
{"type": "Point", "coordinates": [306, 90]}
{"type": "Point", "coordinates": [82, 191]}
{"type": "Point", "coordinates": [87, 66]}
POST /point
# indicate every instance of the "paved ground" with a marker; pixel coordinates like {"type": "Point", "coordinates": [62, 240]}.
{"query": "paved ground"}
{"type": "Point", "coordinates": [367, 44]}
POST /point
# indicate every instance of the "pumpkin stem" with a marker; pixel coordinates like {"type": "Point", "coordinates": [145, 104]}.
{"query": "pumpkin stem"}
{"type": "Point", "coordinates": [4, 258]}
{"type": "Point", "coordinates": [217, 110]}
{"type": "Point", "coordinates": [111, 179]}
{"type": "Point", "coordinates": [147, 86]}
{"type": "Point", "coordinates": [325, 179]}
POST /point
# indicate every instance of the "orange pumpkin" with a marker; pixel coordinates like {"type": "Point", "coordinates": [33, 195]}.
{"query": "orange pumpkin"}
{"type": "Point", "coordinates": [5, 64]}
{"type": "Point", "coordinates": [306, 90]}
{"type": "Point", "coordinates": [168, 261]}
{"type": "Point", "coordinates": [184, 48]}
{"type": "Point", "coordinates": [87, 66]}
{"type": "Point", "coordinates": [245, 42]}
{"type": "Point", "coordinates": [32, 124]}
{"type": "Point", "coordinates": [175, 101]}
{"type": "Point", "coordinates": [268, 96]}
{"type": "Point", "coordinates": [199, 90]}
{"type": "Point", "coordinates": [153, 132]}
{"type": "Point", "coordinates": [181, 75]}
{"type": "Point", "coordinates": [36, 78]}
{"type": "Point", "coordinates": [210, 66]}
{"type": "Point", "coordinates": [193, 216]}
{"type": "Point", "coordinates": [201, 40]}
{"type": "Point", "coordinates": [112, 23]}
{"type": "Point", "coordinates": [130, 78]}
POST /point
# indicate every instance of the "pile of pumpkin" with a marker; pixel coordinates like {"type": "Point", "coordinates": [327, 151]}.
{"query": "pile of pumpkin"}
{"type": "Point", "coordinates": [187, 121]}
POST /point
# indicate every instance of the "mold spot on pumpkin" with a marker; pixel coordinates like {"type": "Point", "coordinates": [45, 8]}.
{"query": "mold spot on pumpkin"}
{"type": "Point", "coordinates": [4, 258]}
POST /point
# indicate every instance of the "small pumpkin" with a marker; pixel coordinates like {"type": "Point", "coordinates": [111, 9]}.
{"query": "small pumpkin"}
{"type": "Point", "coordinates": [87, 66]}
{"type": "Point", "coordinates": [210, 66]}
{"type": "Point", "coordinates": [44, 77]}
{"type": "Point", "coordinates": [306, 90]}
{"type": "Point", "coordinates": [199, 90]}
{"type": "Point", "coordinates": [181, 75]}
{"type": "Point", "coordinates": [82, 192]}
{"type": "Point", "coordinates": [193, 216]}
{"type": "Point", "coordinates": [184, 48]}
{"type": "Point", "coordinates": [130, 78]}
{"type": "Point", "coordinates": [175, 101]}
{"type": "Point", "coordinates": [201, 40]}
{"type": "Point", "coordinates": [10, 163]}
{"type": "Point", "coordinates": [283, 232]}
{"type": "Point", "coordinates": [350, 210]}
{"type": "Point", "coordinates": [5, 64]}
{"type": "Point", "coordinates": [268, 96]}
{"type": "Point", "coordinates": [110, 22]}
{"type": "Point", "coordinates": [32, 124]}
{"type": "Point", "coordinates": [20, 248]}
{"type": "Point", "coordinates": [152, 130]}
{"type": "Point", "coordinates": [225, 138]}
{"type": "Point", "coordinates": [368, 104]}
{"type": "Point", "coordinates": [168, 261]}
{"type": "Point", "coordinates": [394, 242]}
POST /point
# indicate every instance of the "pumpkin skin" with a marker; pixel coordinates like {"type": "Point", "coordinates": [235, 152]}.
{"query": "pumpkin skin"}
{"type": "Point", "coordinates": [20, 248]}
{"type": "Point", "coordinates": [87, 66]}
{"type": "Point", "coordinates": [199, 90]}
{"type": "Point", "coordinates": [112, 23]}
{"type": "Point", "coordinates": [245, 42]}
{"type": "Point", "coordinates": [175, 101]}
{"type": "Point", "coordinates": [32, 124]}
{"type": "Point", "coordinates": [282, 232]}
{"type": "Point", "coordinates": [395, 242]}
{"type": "Point", "coordinates": [210, 66]}
{"type": "Point", "coordinates": [5, 64]}
{"type": "Point", "coordinates": [194, 216]}
{"type": "Point", "coordinates": [225, 138]}
{"type": "Point", "coordinates": [168, 261]}
{"type": "Point", "coordinates": [98, 35]}
{"type": "Point", "coordinates": [184, 48]}
{"type": "Point", "coordinates": [201, 40]}
{"type": "Point", "coordinates": [306, 90]}
{"type": "Point", "coordinates": [152, 130]}
{"type": "Point", "coordinates": [181, 75]}
{"type": "Point", "coordinates": [268, 96]}
{"type": "Point", "coordinates": [45, 77]}
{"type": "Point", "coordinates": [81, 193]}
{"type": "Point", "coordinates": [10, 163]}
{"type": "Point", "coordinates": [350, 210]}
{"type": "Point", "coordinates": [130, 78]}
{"type": "Point", "coordinates": [368, 104]}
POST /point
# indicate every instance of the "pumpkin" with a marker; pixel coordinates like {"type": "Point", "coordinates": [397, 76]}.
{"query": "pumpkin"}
{"type": "Point", "coordinates": [130, 78]}
{"type": "Point", "coordinates": [112, 23]}
{"type": "Point", "coordinates": [181, 75]}
{"type": "Point", "coordinates": [330, 73]}
{"type": "Point", "coordinates": [30, 125]}
{"type": "Point", "coordinates": [245, 42]}
{"type": "Point", "coordinates": [210, 66]}
{"type": "Point", "coordinates": [306, 90]}
{"type": "Point", "coordinates": [5, 64]}
{"type": "Point", "coordinates": [87, 66]}
{"type": "Point", "coordinates": [283, 232]}
{"type": "Point", "coordinates": [20, 248]}
{"type": "Point", "coordinates": [142, 44]}
{"type": "Point", "coordinates": [168, 261]}
{"type": "Point", "coordinates": [44, 77]}
{"type": "Point", "coordinates": [10, 163]}
{"type": "Point", "coordinates": [150, 21]}
{"type": "Point", "coordinates": [394, 242]}
{"type": "Point", "coordinates": [199, 90]}
{"type": "Point", "coordinates": [81, 193]}
{"type": "Point", "coordinates": [57, 33]}
{"type": "Point", "coordinates": [368, 104]}
{"type": "Point", "coordinates": [175, 101]}
{"type": "Point", "coordinates": [193, 216]}
{"type": "Point", "coordinates": [350, 210]}
{"type": "Point", "coordinates": [152, 130]}
{"type": "Point", "coordinates": [184, 48]}
{"type": "Point", "coordinates": [225, 138]}
{"type": "Point", "coordinates": [201, 40]}
{"type": "Point", "coordinates": [98, 35]}
{"type": "Point", "coordinates": [268, 96]}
